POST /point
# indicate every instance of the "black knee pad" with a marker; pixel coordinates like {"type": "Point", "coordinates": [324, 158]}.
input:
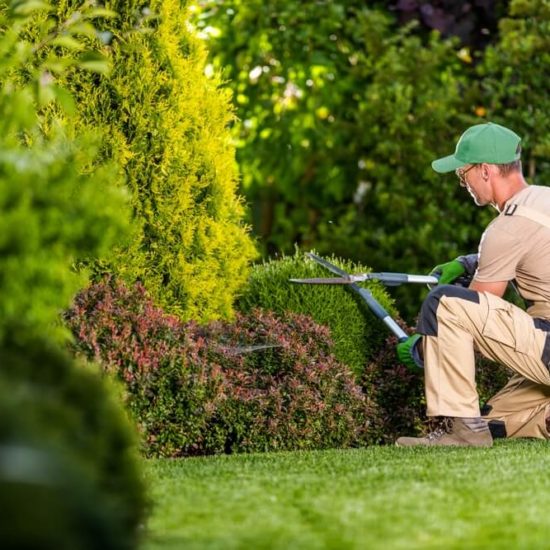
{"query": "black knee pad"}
{"type": "Point", "coordinates": [427, 321]}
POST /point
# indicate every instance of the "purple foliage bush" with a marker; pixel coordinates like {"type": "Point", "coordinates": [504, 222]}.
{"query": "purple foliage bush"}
{"type": "Point", "coordinates": [259, 383]}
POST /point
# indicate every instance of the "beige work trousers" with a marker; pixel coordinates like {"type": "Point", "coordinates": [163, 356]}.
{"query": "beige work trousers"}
{"type": "Point", "coordinates": [503, 333]}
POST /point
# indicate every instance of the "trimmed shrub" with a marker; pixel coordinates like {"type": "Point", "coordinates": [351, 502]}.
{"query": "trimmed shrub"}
{"type": "Point", "coordinates": [355, 331]}
{"type": "Point", "coordinates": [207, 389]}
{"type": "Point", "coordinates": [399, 393]}
{"type": "Point", "coordinates": [169, 384]}
{"type": "Point", "coordinates": [295, 395]}
{"type": "Point", "coordinates": [164, 124]}
{"type": "Point", "coordinates": [69, 420]}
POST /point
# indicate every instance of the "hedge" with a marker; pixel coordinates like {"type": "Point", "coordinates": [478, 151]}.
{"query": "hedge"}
{"type": "Point", "coordinates": [357, 334]}
{"type": "Point", "coordinates": [87, 471]}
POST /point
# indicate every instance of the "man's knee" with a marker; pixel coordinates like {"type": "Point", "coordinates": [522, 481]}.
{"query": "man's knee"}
{"type": "Point", "coordinates": [427, 321]}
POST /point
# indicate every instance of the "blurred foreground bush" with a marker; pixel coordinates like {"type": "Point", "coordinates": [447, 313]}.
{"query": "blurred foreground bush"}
{"type": "Point", "coordinates": [55, 209]}
{"type": "Point", "coordinates": [69, 474]}
{"type": "Point", "coordinates": [67, 450]}
{"type": "Point", "coordinates": [210, 389]}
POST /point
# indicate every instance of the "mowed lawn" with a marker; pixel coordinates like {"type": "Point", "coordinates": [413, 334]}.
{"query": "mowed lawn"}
{"type": "Point", "coordinates": [379, 497]}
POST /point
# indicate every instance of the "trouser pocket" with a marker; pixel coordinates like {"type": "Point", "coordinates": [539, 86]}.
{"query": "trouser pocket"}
{"type": "Point", "coordinates": [509, 325]}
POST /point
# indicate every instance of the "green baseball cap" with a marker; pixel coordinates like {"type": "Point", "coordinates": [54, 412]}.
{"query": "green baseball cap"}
{"type": "Point", "coordinates": [490, 143]}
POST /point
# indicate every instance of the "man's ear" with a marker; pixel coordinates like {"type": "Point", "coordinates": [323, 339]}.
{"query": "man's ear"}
{"type": "Point", "coordinates": [486, 170]}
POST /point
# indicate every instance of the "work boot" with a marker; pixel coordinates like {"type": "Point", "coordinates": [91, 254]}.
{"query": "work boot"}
{"type": "Point", "coordinates": [456, 432]}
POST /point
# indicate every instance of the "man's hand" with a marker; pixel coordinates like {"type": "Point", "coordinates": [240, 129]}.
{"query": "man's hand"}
{"type": "Point", "coordinates": [449, 272]}
{"type": "Point", "coordinates": [409, 353]}
{"type": "Point", "coordinates": [463, 267]}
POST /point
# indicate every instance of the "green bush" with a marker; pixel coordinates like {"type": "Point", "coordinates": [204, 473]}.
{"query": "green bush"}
{"type": "Point", "coordinates": [356, 333]}
{"type": "Point", "coordinates": [294, 395]}
{"type": "Point", "coordinates": [74, 422]}
{"type": "Point", "coordinates": [165, 125]}
{"type": "Point", "coordinates": [341, 113]}
{"type": "Point", "coordinates": [54, 209]}
{"type": "Point", "coordinates": [259, 383]}
{"type": "Point", "coordinates": [59, 205]}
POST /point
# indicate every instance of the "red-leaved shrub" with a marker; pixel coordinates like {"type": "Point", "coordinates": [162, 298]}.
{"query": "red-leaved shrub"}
{"type": "Point", "coordinates": [259, 383]}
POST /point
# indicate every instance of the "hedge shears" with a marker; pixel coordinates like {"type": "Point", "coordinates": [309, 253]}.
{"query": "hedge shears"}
{"type": "Point", "coordinates": [389, 279]}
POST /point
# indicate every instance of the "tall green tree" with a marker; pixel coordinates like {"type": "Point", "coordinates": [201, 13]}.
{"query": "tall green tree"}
{"type": "Point", "coordinates": [165, 126]}
{"type": "Point", "coordinates": [341, 112]}
{"type": "Point", "coordinates": [514, 82]}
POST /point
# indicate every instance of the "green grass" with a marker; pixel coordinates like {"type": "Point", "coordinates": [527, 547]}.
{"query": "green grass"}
{"type": "Point", "coordinates": [383, 497]}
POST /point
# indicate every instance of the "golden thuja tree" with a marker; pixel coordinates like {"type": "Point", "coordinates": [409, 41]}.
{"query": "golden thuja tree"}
{"type": "Point", "coordinates": [165, 124]}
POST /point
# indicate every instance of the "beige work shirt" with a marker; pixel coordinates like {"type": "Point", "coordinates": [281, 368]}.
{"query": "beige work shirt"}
{"type": "Point", "coordinates": [515, 247]}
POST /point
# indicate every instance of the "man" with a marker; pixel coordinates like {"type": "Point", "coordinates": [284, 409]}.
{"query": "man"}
{"type": "Point", "coordinates": [455, 320]}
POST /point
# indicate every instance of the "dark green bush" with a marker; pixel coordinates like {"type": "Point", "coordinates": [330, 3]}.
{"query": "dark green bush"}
{"type": "Point", "coordinates": [341, 113]}
{"type": "Point", "coordinates": [356, 333]}
{"type": "Point", "coordinates": [207, 389]}
{"type": "Point", "coordinates": [89, 466]}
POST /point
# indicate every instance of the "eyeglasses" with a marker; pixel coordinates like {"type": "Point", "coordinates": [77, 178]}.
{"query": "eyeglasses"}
{"type": "Point", "coordinates": [462, 173]}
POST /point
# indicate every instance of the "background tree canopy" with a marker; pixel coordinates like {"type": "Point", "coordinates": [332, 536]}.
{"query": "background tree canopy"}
{"type": "Point", "coordinates": [342, 110]}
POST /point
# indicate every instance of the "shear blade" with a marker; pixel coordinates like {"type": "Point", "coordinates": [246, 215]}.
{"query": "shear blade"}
{"type": "Point", "coordinates": [320, 281]}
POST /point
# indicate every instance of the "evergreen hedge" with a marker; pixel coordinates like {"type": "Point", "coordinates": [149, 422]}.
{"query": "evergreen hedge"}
{"type": "Point", "coordinates": [356, 333]}
{"type": "Point", "coordinates": [165, 125]}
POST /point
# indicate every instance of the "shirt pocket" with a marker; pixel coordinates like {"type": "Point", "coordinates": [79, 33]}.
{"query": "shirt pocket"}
{"type": "Point", "coordinates": [509, 325]}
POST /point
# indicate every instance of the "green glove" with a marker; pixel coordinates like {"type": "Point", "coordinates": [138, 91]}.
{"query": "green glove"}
{"type": "Point", "coordinates": [408, 352]}
{"type": "Point", "coordinates": [449, 272]}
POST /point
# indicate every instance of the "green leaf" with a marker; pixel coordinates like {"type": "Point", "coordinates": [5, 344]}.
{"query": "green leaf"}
{"type": "Point", "coordinates": [65, 99]}
{"type": "Point", "coordinates": [57, 65]}
{"type": "Point", "coordinates": [46, 94]}
{"type": "Point", "coordinates": [100, 12]}
{"type": "Point", "coordinates": [27, 7]}
{"type": "Point", "coordinates": [94, 62]}
{"type": "Point", "coordinates": [68, 42]}
{"type": "Point", "coordinates": [83, 28]}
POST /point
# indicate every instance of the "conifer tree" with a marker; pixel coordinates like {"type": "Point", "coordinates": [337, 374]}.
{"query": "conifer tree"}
{"type": "Point", "coordinates": [165, 124]}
